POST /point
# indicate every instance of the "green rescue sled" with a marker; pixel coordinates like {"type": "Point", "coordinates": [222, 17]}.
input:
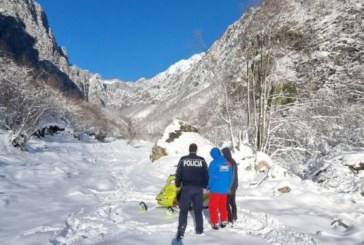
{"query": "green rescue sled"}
{"type": "Point", "coordinates": [169, 196]}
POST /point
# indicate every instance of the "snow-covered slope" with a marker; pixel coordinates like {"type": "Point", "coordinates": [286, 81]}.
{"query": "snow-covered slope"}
{"type": "Point", "coordinates": [67, 192]}
{"type": "Point", "coordinates": [342, 172]}
{"type": "Point", "coordinates": [316, 47]}
{"type": "Point", "coordinates": [151, 91]}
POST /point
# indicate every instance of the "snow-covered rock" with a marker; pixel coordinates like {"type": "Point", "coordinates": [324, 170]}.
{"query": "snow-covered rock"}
{"type": "Point", "coordinates": [176, 139]}
{"type": "Point", "coordinates": [342, 173]}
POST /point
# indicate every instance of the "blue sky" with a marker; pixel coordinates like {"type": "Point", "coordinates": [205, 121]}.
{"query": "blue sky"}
{"type": "Point", "coordinates": [130, 39]}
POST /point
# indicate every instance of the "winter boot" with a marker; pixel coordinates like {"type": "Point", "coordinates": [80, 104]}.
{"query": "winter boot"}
{"type": "Point", "coordinates": [223, 224]}
{"type": "Point", "coordinates": [199, 231]}
{"type": "Point", "coordinates": [215, 226]}
{"type": "Point", "coordinates": [179, 235]}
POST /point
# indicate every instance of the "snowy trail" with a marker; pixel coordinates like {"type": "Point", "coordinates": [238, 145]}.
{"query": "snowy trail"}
{"type": "Point", "coordinates": [67, 192]}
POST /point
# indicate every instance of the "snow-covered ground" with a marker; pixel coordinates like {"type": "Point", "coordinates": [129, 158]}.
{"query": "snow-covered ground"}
{"type": "Point", "coordinates": [63, 191]}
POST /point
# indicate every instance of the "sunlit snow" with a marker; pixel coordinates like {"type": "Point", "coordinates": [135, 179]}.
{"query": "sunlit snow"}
{"type": "Point", "coordinates": [63, 191]}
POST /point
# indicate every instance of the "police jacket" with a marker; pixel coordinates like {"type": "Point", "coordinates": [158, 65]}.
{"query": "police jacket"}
{"type": "Point", "coordinates": [192, 171]}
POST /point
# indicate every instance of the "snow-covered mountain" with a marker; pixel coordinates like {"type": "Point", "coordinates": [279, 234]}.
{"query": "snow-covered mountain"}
{"type": "Point", "coordinates": [310, 51]}
{"type": "Point", "coordinates": [316, 53]}
{"type": "Point", "coordinates": [312, 193]}
{"type": "Point", "coordinates": [315, 50]}
{"type": "Point", "coordinates": [150, 91]}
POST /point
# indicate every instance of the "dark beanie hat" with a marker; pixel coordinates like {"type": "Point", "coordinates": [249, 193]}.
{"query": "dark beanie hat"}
{"type": "Point", "coordinates": [193, 148]}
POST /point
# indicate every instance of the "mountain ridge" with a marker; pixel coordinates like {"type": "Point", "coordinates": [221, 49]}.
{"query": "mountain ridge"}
{"type": "Point", "coordinates": [314, 72]}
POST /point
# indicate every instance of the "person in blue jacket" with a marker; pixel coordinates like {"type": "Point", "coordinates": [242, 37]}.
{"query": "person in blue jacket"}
{"type": "Point", "coordinates": [220, 177]}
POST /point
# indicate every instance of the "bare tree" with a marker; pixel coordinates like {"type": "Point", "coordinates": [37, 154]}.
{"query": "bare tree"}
{"type": "Point", "coordinates": [225, 112]}
{"type": "Point", "coordinates": [26, 102]}
{"type": "Point", "coordinates": [260, 58]}
{"type": "Point", "coordinates": [131, 130]}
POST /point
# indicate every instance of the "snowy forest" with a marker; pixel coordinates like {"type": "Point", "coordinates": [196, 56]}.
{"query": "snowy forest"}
{"type": "Point", "coordinates": [283, 87]}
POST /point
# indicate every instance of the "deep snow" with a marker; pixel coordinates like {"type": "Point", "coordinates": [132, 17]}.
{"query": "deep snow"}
{"type": "Point", "coordinates": [63, 191]}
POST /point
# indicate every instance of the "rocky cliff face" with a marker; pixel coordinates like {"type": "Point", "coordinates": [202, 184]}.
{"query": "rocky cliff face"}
{"type": "Point", "coordinates": [36, 24]}
{"type": "Point", "coordinates": [37, 82]}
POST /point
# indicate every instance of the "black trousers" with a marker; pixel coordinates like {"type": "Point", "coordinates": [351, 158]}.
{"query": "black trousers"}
{"type": "Point", "coordinates": [190, 194]}
{"type": "Point", "coordinates": [231, 207]}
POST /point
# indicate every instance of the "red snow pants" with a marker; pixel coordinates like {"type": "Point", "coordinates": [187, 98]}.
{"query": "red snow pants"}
{"type": "Point", "coordinates": [217, 203]}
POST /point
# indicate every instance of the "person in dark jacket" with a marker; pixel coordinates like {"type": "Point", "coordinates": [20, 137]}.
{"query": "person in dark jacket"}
{"type": "Point", "coordinates": [220, 176]}
{"type": "Point", "coordinates": [231, 203]}
{"type": "Point", "coordinates": [192, 177]}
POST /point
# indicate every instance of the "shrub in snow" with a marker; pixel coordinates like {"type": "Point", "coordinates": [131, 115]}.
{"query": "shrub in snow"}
{"type": "Point", "coordinates": [100, 136]}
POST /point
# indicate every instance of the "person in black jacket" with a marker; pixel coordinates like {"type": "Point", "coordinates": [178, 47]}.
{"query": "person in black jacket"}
{"type": "Point", "coordinates": [231, 203]}
{"type": "Point", "coordinates": [192, 177]}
